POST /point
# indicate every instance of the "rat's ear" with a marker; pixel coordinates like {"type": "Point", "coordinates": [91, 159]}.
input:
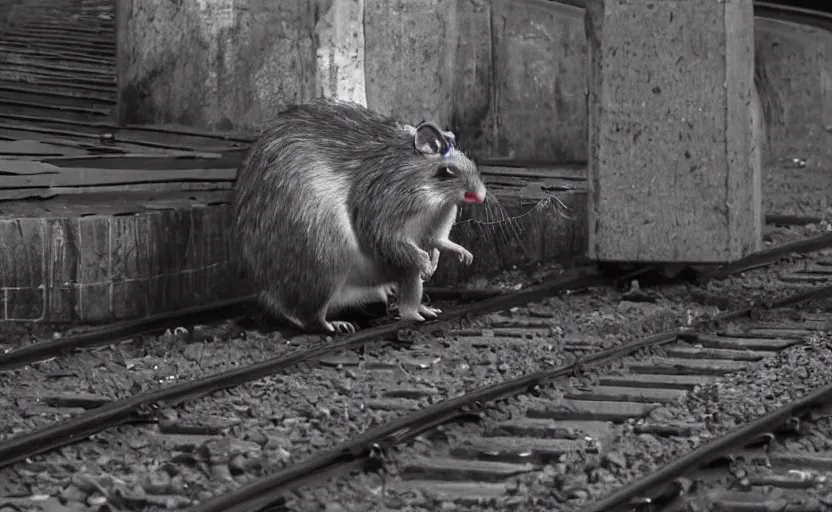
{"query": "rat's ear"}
{"type": "Point", "coordinates": [429, 140]}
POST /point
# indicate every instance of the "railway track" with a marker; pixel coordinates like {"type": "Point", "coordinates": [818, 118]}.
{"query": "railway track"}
{"type": "Point", "coordinates": [546, 447]}
{"type": "Point", "coordinates": [584, 433]}
{"type": "Point", "coordinates": [152, 436]}
{"type": "Point", "coordinates": [777, 461]}
{"type": "Point", "coordinates": [154, 415]}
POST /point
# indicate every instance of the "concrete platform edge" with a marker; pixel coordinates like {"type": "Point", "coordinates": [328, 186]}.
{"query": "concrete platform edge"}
{"type": "Point", "coordinates": [80, 268]}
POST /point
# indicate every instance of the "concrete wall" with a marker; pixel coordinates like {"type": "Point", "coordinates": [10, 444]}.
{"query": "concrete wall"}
{"type": "Point", "coordinates": [217, 64]}
{"type": "Point", "coordinates": [410, 57]}
{"type": "Point", "coordinates": [540, 59]}
{"type": "Point", "coordinates": [673, 174]}
{"type": "Point", "coordinates": [508, 75]}
{"type": "Point", "coordinates": [795, 62]}
{"type": "Point", "coordinates": [6, 10]}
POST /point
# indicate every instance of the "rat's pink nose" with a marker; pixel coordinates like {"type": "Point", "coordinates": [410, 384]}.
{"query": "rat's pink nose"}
{"type": "Point", "coordinates": [473, 197]}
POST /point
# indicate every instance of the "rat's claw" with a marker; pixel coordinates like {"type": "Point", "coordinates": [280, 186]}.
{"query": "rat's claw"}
{"type": "Point", "coordinates": [343, 327]}
{"type": "Point", "coordinates": [428, 312]}
{"type": "Point", "coordinates": [466, 257]}
{"type": "Point", "coordinates": [411, 315]}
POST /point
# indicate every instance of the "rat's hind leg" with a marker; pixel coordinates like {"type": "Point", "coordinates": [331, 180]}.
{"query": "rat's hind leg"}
{"type": "Point", "coordinates": [335, 326]}
{"type": "Point", "coordinates": [343, 327]}
{"type": "Point", "coordinates": [410, 301]}
{"type": "Point", "coordinates": [319, 322]}
{"type": "Point", "coordinates": [315, 292]}
{"type": "Point", "coordinates": [272, 302]}
{"type": "Point", "coordinates": [354, 296]}
{"type": "Point", "coordinates": [305, 302]}
{"type": "Point", "coordinates": [362, 290]}
{"type": "Point", "coordinates": [364, 301]}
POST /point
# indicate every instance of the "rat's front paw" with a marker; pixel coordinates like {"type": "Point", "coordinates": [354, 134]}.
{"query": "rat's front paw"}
{"type": "Point", "coordinates": [434, 261]}
{"type": "Point", "coordinates": [425, 266]}
{"type": "Point", "coordinates": [465, 255]}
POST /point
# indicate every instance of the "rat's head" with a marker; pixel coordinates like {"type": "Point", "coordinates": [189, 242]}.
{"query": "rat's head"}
{"type": "Point", "coordinates": [451, 174]}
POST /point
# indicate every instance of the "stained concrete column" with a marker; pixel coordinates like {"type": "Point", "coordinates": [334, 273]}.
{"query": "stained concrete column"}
{"type": "Point", "coordinates": [233, 64]}
{"type": "Point", "coordinates": [674, 167]}
{"type": "Point", "coordinates": [340, 51]}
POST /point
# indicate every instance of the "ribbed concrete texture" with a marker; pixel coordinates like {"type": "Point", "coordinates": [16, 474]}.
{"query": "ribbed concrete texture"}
{"type": "Point", "coordinates": [674, 166]}
{"type": "Point", "coordinates": [58, 263]}
{"type": "Point", "coordinates": [509, 75]}
{"type": "Point", "coordinates": [530, 224]}
{"type": "Point", "coordinates": [223, 65]}
{"type": "Point", "coordinates": [98, 258]}
{"type": "Point", "coordinates": [794, 62]}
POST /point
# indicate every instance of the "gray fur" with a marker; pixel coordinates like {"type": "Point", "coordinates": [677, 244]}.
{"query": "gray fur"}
{"type": "Point", "coordinates": [334, 204]}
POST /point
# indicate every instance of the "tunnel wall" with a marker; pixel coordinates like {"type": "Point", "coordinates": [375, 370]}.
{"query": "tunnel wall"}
{"type": "Point", "coordinates": [508, 75]}
{"type": "Point", "coordinates": [795, 64]}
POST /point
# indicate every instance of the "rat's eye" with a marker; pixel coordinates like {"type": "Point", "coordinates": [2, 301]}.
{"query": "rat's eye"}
{"type": "Point", "coordinates": [445, 172]}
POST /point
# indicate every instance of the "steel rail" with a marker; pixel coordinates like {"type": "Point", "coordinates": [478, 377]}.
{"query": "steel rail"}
{"type": "Point", "coordinates": [268, 491]}
{"type": "Point", "coordinates": [201, 315]}
{"type": "Point", "coordinates": [640, 492]}
{"type": "Point", "coordinates": [121, 331]}
{"type": "Point", "coordinates": [141, 407]}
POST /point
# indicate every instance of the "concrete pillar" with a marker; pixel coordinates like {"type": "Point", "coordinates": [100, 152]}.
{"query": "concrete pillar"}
{"type": "Point", "coordinates": [231, 65]}
{"type": "Point", "coordinates": [674, 168]}
{"type": "Point", "coordinates": [340, 52]}
{"type": "Point", "coordinates": [411, 58]}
